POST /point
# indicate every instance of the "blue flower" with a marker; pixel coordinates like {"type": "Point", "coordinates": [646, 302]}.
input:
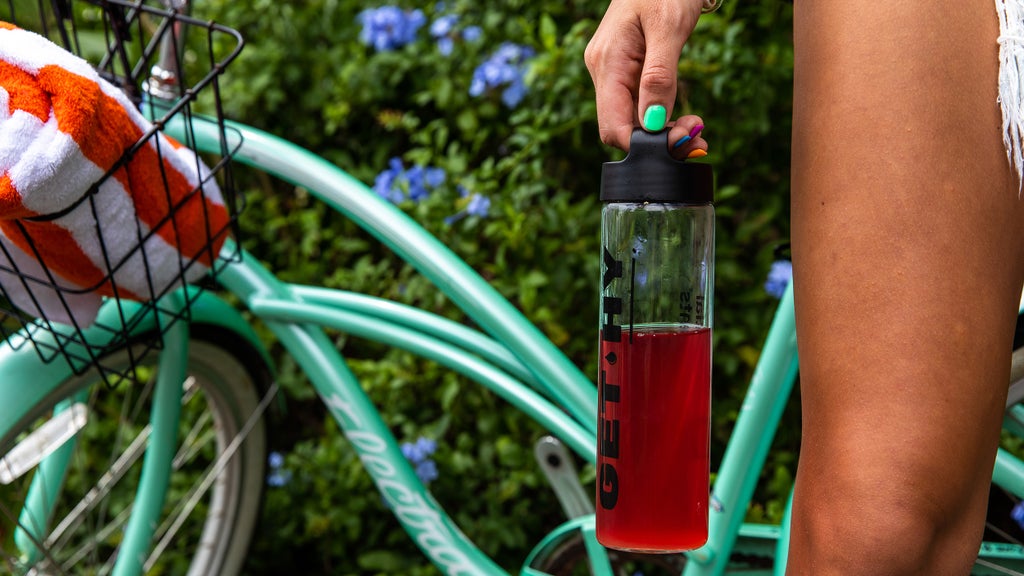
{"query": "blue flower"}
{"type": "Point", "coordinates": [389, 27]}
{"type": "Point", "coordinates": [278, 476]}
{"type": "Point", "coordinates": [778, 278]}
{"type": "Point", "coordinates": [393, 183]}
{"type": "Point", "coordinates": [1018, 514]}
{"type": "Point", "coordinates": [418, 453]}
{"type": "Point", "coordinates": [420, 450]}
{"type": "Point", "coordinates": [472, 33]}
{"type": "Point", "coordinates": [426, 471]}
{"type": "Point", "coordinates": [504, 69]}
{"type": "Point", "coordinates": [417, 183]}
{"type": "Point", "coordinates": [444, 31]}
{"type": "Point", "coordinates": [387, 183]}
{"type": "Point", "coordinates": [434, 177]}
{"type": "Point", "coordinates": [443, 26]}
{"type": "Point", "coordinates": [410, 452]}
{"type": "Point", "coordinates": [445, 45]}
{"type": "Point", "coordinates": [421, 179]}
{"type": "Point", "coordinates": [425, 447]}
{"type": "Point", "coordinates": [514, 94]}
{"type": "Point", "coordinates": [275, 460]}
{"type": "Point", "coordinates": [279, 479]}
{"type": "Point", "coordinates": [476, 206]}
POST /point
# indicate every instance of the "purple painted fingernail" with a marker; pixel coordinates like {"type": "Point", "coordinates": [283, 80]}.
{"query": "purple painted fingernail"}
{"type": "Point", "coordinates": [696, 130]}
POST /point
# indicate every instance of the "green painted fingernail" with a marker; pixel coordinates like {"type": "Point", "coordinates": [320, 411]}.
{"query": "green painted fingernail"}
{"type": "Point", "coordinates": [654, 118]}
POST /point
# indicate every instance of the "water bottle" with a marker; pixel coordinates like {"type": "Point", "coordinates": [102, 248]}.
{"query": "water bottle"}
{"type": "Point", "coordinates": [654, 396]}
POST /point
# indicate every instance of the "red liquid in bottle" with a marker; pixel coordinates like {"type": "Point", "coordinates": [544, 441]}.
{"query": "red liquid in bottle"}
{"type": "Point", "coordinates": [653, 435]}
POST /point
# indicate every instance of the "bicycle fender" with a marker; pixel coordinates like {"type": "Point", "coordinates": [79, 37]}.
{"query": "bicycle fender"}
{"type": "Point", "coordinates": [212, 310]}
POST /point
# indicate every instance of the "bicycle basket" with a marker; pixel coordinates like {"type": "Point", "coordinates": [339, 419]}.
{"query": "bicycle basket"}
{"type": "Point", "coordinates": [101, 214]}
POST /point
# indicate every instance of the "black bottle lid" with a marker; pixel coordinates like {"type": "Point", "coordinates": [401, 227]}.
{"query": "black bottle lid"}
{"type": "Point", "coordinates": [650, 174]}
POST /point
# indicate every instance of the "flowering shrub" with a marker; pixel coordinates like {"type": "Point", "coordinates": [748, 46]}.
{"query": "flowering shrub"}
{"type": "Point", "coordinates": [477, 119]}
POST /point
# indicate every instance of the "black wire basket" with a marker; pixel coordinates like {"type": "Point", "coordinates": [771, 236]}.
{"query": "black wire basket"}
{"type": "Point", "coordinates": [139, 215]}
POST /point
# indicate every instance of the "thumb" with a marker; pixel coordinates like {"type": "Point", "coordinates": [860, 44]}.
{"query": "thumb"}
{"type": "Point", "coordinates": [665, 35]}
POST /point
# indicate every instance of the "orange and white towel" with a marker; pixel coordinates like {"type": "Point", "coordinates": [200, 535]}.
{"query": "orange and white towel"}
{"type": "Point", "coordinates": [62, 128]}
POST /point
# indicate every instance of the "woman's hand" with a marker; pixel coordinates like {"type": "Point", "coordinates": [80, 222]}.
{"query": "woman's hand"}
{"type": "Point", "coordinates": [633, 58]}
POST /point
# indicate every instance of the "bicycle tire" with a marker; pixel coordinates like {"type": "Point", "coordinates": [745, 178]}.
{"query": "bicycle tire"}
{"type": "Point", "coordinates": [223, 387]}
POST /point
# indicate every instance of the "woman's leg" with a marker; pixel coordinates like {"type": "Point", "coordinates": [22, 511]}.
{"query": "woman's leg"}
{"type": "Point", "coordinates": [907, 251]}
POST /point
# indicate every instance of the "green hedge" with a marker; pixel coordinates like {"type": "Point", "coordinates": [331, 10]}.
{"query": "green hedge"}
{"type": "Point", "coordinates": [518, 201]}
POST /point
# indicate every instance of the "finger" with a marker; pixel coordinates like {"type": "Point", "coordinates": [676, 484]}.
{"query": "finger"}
{"type": "Point", "coordinates": [696, 148]}
{"type": "Point", "coordinates": [685, 136]}
{"type": "Point", "coordinates": [684, 128]}
{"type": "Point", "coordinates": [615, 106]}
{"type": "Point", "coordinates": [665, 30]}
{"type": "Point", "coordinates": [614, 58]}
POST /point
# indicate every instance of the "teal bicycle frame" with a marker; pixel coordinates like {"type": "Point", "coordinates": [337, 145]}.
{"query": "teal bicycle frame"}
{"type": "Point", "coordinates": [510, 357]}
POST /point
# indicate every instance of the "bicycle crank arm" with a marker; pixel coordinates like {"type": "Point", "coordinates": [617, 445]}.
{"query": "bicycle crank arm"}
{"type": "Point", "coordinates": [555, 461]}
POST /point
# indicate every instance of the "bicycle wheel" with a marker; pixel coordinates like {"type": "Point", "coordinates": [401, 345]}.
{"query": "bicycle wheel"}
{"type": "Point", "coordinates": [67, 514]}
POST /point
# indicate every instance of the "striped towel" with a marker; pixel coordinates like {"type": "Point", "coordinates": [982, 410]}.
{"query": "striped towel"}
{"type": "Point", "coordinates": [62, 128]}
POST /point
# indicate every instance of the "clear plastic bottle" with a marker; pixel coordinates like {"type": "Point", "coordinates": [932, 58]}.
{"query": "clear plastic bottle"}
{"type": "Point", "coordinates": [658, 238]}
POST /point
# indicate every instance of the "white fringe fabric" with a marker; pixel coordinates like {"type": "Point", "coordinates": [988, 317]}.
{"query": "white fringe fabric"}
{"type": "Point", "coordinates": [1011, 81]}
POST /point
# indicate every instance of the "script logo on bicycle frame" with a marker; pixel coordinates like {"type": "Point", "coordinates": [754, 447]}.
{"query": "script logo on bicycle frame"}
{"type": "Point", "coordinates": [608, 425]}
{"type": "Point", "coordinates": [418, 512]}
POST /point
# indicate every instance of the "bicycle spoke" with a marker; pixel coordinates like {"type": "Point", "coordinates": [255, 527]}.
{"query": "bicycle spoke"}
{"type": "Point", "coordinates": [108, 566]}
{"type": "Point", "coordinates": [213, 473]}
{"type": "Point", "coordinates": [106, 482]}
{"type": "Point", "coordinates": [997, 568]}
{"type": "Point", "coordinates": [170, 526]}
{"type": "Point", "coordinates": [85, 509]}
{"type": "Point", "coordinates": [35, 527]}
{"type": "Point", "coordinates": [120, 465]}
{"type": "Point", "coordinates": [47, 556]}
{"type": "Point", "coordinates": [1002, 533]}
{"type": "Point", "coordinates": [194, 442]}
{"type": "Point", "coordinates": [80, 492]}
{"type": "Point", "coordinates": [92, 543]}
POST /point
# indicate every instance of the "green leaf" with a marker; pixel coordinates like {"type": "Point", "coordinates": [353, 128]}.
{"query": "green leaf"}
{"type": "Point", "coordinates": [548, 33]}
{"type": "Point", "coordinates": [384, 561]}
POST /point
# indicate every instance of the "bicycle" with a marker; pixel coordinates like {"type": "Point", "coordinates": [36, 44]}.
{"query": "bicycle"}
{"type": "Point", "coordinates": [191, 357]}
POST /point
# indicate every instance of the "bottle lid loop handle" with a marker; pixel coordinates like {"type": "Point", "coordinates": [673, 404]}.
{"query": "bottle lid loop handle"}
{"type": "Point", "coordinates": [650, 174]}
